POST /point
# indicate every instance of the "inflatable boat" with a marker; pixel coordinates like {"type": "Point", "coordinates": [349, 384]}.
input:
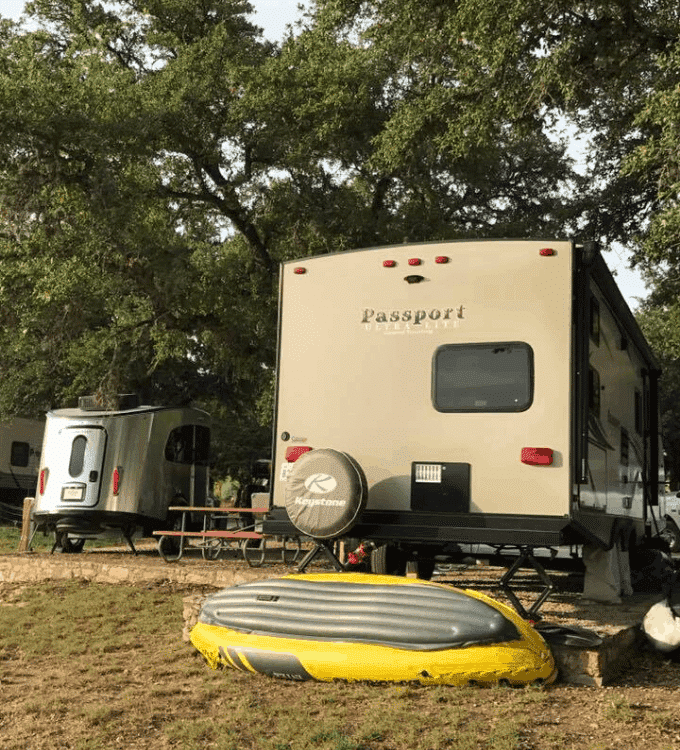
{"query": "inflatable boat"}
{"type": "Point", "coordinates": [357, 626]}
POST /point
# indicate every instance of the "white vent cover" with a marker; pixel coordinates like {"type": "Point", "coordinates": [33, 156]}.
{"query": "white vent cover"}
{"type": "Point", "coordinates": [429, 473]}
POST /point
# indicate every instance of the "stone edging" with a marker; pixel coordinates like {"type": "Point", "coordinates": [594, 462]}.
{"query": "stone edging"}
{"type": "Point", "coordinates": [29, 567]}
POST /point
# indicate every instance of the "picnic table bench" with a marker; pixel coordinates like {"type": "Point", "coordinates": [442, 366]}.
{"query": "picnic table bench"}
{"type": "Point", "coordinates": [240, 532]}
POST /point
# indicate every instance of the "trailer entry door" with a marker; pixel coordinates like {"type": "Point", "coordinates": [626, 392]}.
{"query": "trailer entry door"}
{"type": "Point", "coordinates": [80, 472]}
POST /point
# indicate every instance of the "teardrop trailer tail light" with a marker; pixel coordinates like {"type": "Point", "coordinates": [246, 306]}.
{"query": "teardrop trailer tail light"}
{"type": "Point", "coordinates": [295, 451]}
{"type": "Point", "coordinates": [546, 251]}
{"type": "Point", "coordinates": [537, 456]}
{"type": "Point", "coordinates": [42, 482]}
{"type": "Point", "coordinates": [116, 479]}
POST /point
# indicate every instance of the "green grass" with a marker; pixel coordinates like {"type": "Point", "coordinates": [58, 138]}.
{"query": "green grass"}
{"type": "Point", "coordinates": [77, 618]}
{"type": "Point", "coordinates": [10, 537]}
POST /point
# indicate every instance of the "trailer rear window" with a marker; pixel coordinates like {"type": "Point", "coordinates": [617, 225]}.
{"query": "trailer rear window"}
{"type": "Point", "coordinates": [483, 377]}
{"type": "Point", "coordinates": [77, 460]}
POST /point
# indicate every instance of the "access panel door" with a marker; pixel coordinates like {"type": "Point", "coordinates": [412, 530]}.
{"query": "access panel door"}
{"type": "Point", "coordinates": [79, 473]}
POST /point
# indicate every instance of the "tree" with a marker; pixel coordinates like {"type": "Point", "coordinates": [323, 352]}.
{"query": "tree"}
{"type": "Point", "coordinates": [464, 69]}
{"type": "Point", "coordinates": [425, 154]}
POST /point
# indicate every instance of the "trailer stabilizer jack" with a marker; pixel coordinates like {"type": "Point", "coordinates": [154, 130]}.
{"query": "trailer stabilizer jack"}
{"type": "Point", "coordinates": [325, 546]}
{"type": "Point", "coordinates": [526, 556]}
{"type": "Point", "coordinates": [127, 535]}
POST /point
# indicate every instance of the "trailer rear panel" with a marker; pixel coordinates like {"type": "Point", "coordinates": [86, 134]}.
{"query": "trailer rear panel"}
{"type": "Point", "coordinates": [467, 383]}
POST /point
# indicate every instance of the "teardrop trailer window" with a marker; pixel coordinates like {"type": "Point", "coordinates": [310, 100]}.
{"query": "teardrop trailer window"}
{"type": "Point", "coordinates": [483, 377]}
{"type": "Point", "coordinates": [77, 460]}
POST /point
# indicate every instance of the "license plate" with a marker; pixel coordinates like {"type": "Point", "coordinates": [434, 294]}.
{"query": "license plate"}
{"type": "Point", "coordinates": [72, 493]}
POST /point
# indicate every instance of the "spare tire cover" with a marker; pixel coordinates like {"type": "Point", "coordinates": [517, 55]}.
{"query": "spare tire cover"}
{"type": "Point", "coordinates": [325, 493]}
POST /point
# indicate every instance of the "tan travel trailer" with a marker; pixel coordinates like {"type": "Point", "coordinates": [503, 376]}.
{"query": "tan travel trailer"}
{"type": "Point", "coordinates": [105, 470]}
{"type": "Point", "coordinates": [473, 392]}
{"type": "Point", "coordinates": [20, 444]}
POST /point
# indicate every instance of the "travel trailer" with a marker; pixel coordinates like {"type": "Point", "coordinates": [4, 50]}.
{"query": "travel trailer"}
{"type": "Point", "coordinates": [20, 444]}
{"type": "Point", "coordinates": [119, 469]}
{"type": "Point", "coordinates": [473, 392]}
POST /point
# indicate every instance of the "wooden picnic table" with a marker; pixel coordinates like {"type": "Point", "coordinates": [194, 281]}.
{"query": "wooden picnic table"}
{"type": "Point", "coordinates": [214, 541]}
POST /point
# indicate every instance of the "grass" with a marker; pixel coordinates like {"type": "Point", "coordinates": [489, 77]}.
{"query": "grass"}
{"type": "Point", "coordinates": [619, 709]}
{"type": "Point", "coordinates": [10, 536]}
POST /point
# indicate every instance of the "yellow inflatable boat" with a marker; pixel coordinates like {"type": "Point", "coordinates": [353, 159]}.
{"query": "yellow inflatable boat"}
{"type": "Point", "coordinates": [355, 626]}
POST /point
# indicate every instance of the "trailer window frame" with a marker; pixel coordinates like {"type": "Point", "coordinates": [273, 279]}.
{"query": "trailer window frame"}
{"type": "Point", "coordinates": [20, 454]}
{"type": "Point", "coordinates": [76, 461]}
{"type": "Point", "coordinates": [186, 447]}
{"type": "Point", "coordinates": [526, 384]}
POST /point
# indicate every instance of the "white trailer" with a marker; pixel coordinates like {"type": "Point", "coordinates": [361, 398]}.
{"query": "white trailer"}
{"type": "Point", "coordinates": [474, 392]}
{"type": "Point", "coordinates": [119, 469]}
{"type": "Point", "coordinates": [20, 445]}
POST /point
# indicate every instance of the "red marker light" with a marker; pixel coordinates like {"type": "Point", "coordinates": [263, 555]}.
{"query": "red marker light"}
{"type": "Point", "coordinates": [537, 456]}
{"type": "Point", "coordinates": [441, 259]}
{"type": "Point", "coordinates": [414, 261]}
{"type": "Point", "coordinates": [43, 481]}
{"type": "Point", "coordinates": [546, 251]}
{"type": "Point", "coordinates": [300, 270]}
{"type": "Point", "coordinates": [389, 263]}
{"type": "Point", "coordinates": [116, 480]}
{"type": "Point", "coordinates": [295, 451]}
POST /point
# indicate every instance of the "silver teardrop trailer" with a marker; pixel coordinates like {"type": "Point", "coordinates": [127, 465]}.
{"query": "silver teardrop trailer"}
{"type": "Point", "coordinates": [119, 470]}
{"type": "Point", "coordinates": [475, 392]}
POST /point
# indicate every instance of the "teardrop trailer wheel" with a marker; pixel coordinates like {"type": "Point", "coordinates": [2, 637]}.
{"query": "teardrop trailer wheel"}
{"type": "Point", "coordinates": [74, 545]}
{"type": "Point", "coordinates": [168, 548]}
{"type": "Point", "coordinates": [66, 545]}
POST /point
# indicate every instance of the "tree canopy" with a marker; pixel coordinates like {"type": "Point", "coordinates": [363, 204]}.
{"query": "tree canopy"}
{"type": "Point", "coordinates": [159, 159]}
